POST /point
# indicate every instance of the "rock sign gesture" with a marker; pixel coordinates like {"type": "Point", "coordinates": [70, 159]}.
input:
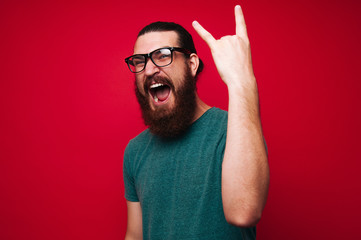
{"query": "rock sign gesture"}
{"type": "Point", "coordinates": [245, 171]}
{"type": "Point", "coordinates": [231, 54]}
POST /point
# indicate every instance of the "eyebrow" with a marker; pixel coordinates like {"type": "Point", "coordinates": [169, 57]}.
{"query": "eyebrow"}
{"type": "Point", "coordinates": [152, 50]}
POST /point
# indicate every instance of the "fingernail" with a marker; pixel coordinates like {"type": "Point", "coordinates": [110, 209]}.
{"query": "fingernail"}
{"type": "Point", "coordinates": [238, 6]}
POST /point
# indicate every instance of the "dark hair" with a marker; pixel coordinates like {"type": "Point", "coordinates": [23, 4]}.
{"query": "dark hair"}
{"type": "Point", "coordinates": [185, 39]}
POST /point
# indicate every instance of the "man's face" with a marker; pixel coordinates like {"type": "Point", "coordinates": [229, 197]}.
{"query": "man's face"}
{"type": "Point", "coordinates": [166, 94]}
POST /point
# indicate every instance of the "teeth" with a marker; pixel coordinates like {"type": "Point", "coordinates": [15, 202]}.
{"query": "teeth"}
{"type": "Point", "coordinates": [156, 85]}
{"type": "Point", "coordinates": [155, 99]}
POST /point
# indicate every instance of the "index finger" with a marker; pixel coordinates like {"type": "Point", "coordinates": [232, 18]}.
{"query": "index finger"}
{"type": "Point", "coordinates": [204, 34]}
{"type": "Point", "coordinates": [241, 29]}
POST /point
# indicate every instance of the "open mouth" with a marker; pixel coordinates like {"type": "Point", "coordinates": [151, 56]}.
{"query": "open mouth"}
{"type": "Point", "coordinates": [160, 92]}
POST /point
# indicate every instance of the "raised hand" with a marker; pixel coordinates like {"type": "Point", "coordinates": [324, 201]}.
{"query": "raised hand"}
{"type": "Point", "coordinates": [231, 54]}
{"type": "Point", "coordinates": [245, 171]}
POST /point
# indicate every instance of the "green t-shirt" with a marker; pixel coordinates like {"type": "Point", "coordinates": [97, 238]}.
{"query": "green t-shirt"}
{"type": "Point", "coordinates": [178, 182]}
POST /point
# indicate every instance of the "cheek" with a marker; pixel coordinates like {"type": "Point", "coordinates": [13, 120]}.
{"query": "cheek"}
{"type": "Point", "coordinates": [139, 84]}
{"type": "Point", "coordinates": [179, 77]}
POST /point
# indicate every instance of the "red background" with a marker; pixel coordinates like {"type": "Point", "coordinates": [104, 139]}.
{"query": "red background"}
{"type": "Point", "coordinates": [68, 111]}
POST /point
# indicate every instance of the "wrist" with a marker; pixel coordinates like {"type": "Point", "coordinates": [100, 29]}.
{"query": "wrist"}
{"type": "Point", "coordinates": [242, 85]}
{"type": "Point", "coordinates": [243, 94]}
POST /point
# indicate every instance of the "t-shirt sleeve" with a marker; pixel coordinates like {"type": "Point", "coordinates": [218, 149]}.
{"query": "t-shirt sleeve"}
{"type": "Point", "coordinates": [221, 145]}
{"type": "Point", "coordinates": [128, 176]}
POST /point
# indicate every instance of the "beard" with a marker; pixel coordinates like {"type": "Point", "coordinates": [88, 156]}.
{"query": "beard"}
{"type": "Point", "coordinates": [170, 122]}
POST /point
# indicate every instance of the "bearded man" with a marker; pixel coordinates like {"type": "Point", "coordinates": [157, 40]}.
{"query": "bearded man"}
{"type": "Point", "coordinates": [197, 172]}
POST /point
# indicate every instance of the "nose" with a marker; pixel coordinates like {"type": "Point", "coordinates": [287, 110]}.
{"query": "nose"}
{"type": "Point", "coordinates": [150, 68]}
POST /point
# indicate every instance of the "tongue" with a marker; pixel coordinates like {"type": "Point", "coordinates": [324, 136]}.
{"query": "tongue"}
{"type": "Point", "coordinates": [162, 93]}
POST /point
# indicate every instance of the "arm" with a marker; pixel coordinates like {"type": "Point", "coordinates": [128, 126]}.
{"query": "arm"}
{"type": "Point", "coordinates": [134, 226]}
{"type": "Point", "coordinates": [245, 171]}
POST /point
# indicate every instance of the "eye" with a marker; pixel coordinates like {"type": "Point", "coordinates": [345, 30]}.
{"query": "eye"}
{"type": "Point", "coordinates": [165, 56]}
{"type": "Point", "coordinates": [138, 60]}
{"type": "Point", "coordinates": [162, 54]}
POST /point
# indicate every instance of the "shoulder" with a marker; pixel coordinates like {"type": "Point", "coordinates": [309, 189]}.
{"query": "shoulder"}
{"type": "Point", "coordinates": [212, 124]}
{"type": "Point", "coordinates": [218, 113]}
{"type": "Point", "coordinates": [141, 139]}
{"type": "Point", "coordinates": [215, 117]}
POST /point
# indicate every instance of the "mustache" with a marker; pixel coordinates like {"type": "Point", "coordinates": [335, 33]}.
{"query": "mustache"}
{"type": "Point", "coordinates": [163, 80]}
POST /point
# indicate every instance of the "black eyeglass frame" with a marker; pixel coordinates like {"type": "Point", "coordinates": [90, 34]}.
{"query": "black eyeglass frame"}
{"type": "Point", "coordinates": [149, 55]}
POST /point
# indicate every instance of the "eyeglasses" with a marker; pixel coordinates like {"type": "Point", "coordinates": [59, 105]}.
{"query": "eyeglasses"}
{"type": "Point", "coordinates": [160, 57]}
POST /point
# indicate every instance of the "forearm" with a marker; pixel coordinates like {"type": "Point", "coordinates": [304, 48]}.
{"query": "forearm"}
{"type": "Point", "coordinates": [135, 222]}
{"type": "Point", "coordinates": [245, 171]}
{"type": "Point", "coordinates": [129, 236]}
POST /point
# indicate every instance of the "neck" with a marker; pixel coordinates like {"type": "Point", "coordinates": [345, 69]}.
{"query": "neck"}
{"type": "Point", "coordinates": [201, 108]}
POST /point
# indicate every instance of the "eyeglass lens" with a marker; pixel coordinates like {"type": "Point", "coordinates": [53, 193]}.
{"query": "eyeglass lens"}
{"type": "Point", "coordinates": [161, 57]}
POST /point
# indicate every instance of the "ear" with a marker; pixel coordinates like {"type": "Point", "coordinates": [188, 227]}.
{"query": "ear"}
{"type": "Point", "coordinates": [194, 63]}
